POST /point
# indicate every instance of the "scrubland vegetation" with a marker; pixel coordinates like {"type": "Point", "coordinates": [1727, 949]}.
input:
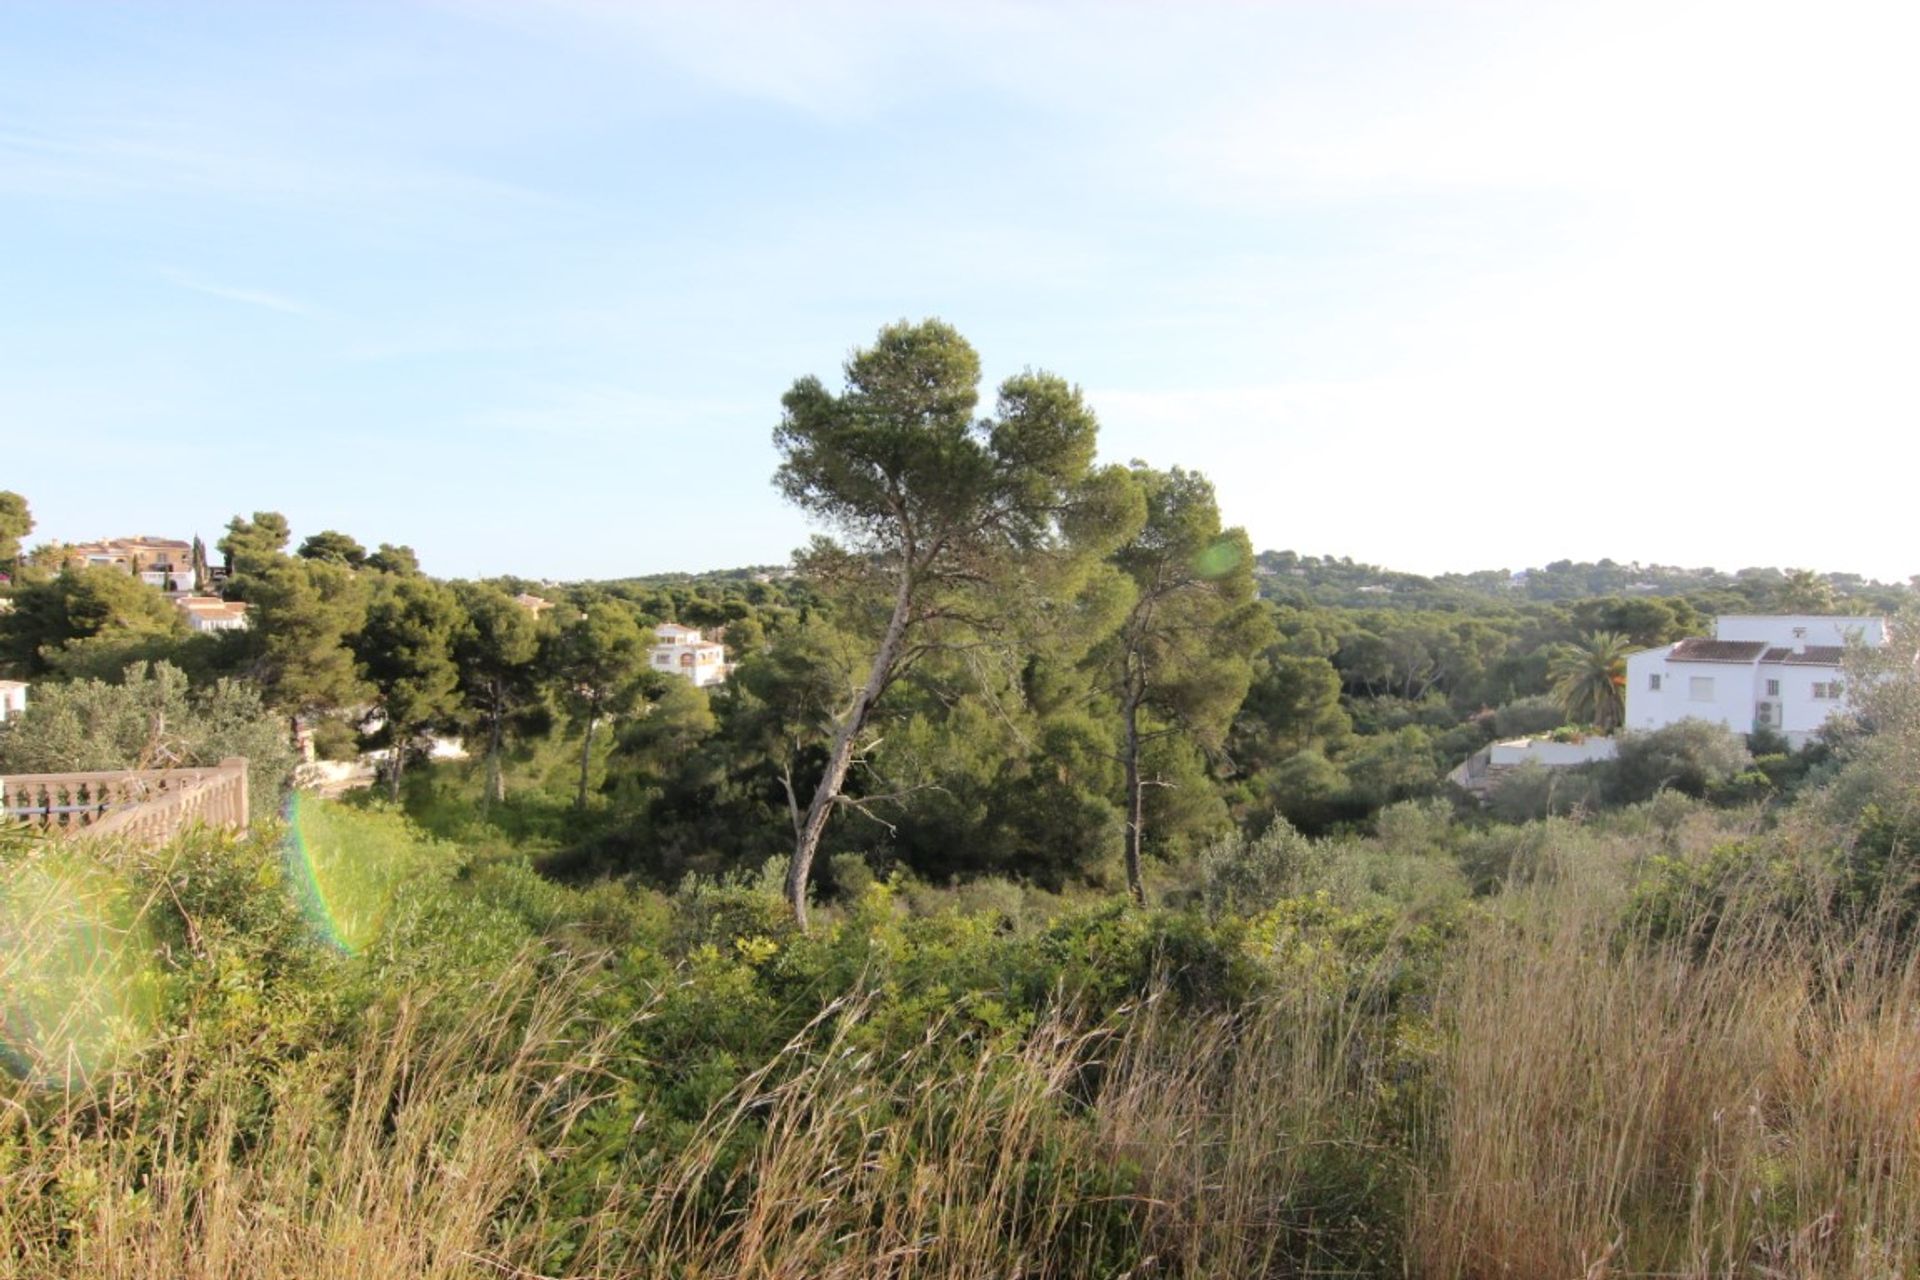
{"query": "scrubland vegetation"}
{"type": "Point", "coordinates": [1671, 1038]}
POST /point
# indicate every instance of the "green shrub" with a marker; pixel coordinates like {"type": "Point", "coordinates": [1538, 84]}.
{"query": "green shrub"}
{"type": "Point", "coordinates": [1693, 757]}
{"type": "Point", "coordinates": [1534, 790]}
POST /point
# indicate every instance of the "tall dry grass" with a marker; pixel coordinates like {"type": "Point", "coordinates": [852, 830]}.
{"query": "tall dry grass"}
{"type": "Point", "coordinates": [1613, 1107]}
{"type": "Point", "coordinates": [1143, 1145]}
{"type": "Point", "coordinates": [1150, 1144]}
{"type": "Point", "coordinates": [409, 1163]}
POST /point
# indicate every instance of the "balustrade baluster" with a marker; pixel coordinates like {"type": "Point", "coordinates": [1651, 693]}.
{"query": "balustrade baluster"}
{"type": "Point", "coordinates": [147, 806]}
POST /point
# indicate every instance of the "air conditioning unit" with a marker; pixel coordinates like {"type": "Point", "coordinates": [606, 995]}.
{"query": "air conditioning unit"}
{"type": "Point", "coordinates": [1764, 714]}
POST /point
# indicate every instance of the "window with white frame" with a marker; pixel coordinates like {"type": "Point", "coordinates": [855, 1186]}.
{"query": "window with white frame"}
{"type": "Point", "coordinates": [1827, 692]}
{"type": "Point", "coordinates": [1700, 689]}
{"type": "Point", "coordinates": [1773, 688]}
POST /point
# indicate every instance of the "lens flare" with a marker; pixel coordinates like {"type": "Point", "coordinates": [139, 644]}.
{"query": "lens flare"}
{"type": "Point", "coordinates": [344, 889]}
{"type": "Point", "coordinates": [80, 979]}
{"type": "Point", "coordinates": [1222, 558]}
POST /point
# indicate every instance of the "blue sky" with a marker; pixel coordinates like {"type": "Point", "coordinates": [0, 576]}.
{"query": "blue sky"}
{"type": "Point", "coordinates": [1442, 286]}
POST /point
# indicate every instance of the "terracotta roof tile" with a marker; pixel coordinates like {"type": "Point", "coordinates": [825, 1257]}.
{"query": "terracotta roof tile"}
{"type": "Point", "coordinates": [1740, 651]}
{"type": "Point", "coordinates": [1817, 655]}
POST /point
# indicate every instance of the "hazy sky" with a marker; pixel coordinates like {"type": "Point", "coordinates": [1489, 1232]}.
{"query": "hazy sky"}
{"type": "Point", "coordinates": [520, 282]}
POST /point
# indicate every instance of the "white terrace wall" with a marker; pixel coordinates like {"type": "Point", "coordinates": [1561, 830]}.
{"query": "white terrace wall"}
{"type": "Point", "coordinates": [1779, 629]}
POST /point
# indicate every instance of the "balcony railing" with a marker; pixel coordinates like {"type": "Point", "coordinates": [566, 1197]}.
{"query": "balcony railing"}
{"type": "Point", "coordinates": [143, 806]}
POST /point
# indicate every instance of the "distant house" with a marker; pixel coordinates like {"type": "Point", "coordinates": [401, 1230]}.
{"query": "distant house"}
{"type": "Point", "coordinates": [686, 653]}
{"type": "Point", "coordinates": [165, 563]}
{"type": "Point", "coordinates": [1758, 672]}
{"type": "Point", "coordinates": [13, 699]}
{"type": "Point", "coordinates": [533, 604]}
{"type": "Point", "coordinates": [211, 613]}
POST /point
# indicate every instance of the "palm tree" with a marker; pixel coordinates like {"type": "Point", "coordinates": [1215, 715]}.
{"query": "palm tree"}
{"type": "Point", "coordinates": [1590, 679]}
{"type": "Point", "coordinates": [1804, 591]}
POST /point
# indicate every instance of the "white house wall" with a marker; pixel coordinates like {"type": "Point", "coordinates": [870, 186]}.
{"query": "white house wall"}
{"type": "Point", "coordinates": [1778, 629]}
{"type": "Point", "coordinates": [1801, 714]}
{"type": "Point", "coordinates": [1731, 702]}
{"type": "Point", "coordinates": [1649, 708]}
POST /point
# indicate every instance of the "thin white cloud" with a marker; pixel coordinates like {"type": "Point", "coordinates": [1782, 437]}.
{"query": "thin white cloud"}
{"type": "Point", "coordinates": [830, 58]}
{"type": "Point", "coordinates": [605, 414]}
{"type": "Point", "coordinates": [246, 297]}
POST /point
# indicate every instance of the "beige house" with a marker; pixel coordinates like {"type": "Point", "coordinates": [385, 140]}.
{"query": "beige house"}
{"type": "Point", "coordinates": [166, 563]}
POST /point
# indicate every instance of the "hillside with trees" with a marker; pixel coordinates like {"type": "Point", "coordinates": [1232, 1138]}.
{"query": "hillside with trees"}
{"type": "Point", "coordinates": [1053, 887]}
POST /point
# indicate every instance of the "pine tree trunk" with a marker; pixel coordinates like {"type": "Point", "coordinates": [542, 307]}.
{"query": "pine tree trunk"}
{"type": "Point", "coordinates": [496, 782]}
{"type": "Point", "coordinates": [841, 755]}
{"type": "Point", "coordinates": [396, 762]}
{"type": "Point", "coordinates": [586, 757]}
{"type": "Point", "coordinates": [1136, 807]}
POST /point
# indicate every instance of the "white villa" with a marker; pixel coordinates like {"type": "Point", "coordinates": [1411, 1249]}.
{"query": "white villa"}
{"type": "Point", "coordinates": [13, 698]}
{"type": "Point", "coordinates": [684, 652]}
{"type": "Point", "coordinates": [211, 613]}
{"type": "Point", "coordinates": [1777, 672]}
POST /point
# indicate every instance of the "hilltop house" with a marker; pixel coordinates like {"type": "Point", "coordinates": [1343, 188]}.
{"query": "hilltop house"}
{"type": "Point", "coordinates": [166, 563]}
{"type": "Point", "coordinates": [1758, 672]}
{"type": "Point", "coordinates": [684, 652]}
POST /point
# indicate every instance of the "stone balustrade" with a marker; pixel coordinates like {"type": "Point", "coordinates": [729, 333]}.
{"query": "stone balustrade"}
{"type": "Point", "coordinates": [144, 806]}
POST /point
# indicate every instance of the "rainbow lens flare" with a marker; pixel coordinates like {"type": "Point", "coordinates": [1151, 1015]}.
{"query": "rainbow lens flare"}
{"type": "Point", "coordinates": [80, 979]}
{"type": "Point", "coordinates": [343, 883]}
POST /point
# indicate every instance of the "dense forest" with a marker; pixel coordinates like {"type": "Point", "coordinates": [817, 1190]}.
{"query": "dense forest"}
{"type": "Point", "coordinates": [1054, 887]}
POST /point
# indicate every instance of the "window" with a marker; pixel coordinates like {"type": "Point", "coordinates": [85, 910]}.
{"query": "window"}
{"type": "Point", "coordinates": [1826, 692]}
{"type": "Point", "coordinates": [1653, 683]}
{"type": "Point", "coordinates": [1773, 688]}
{"type": "Point", "coordinates": [1700, 689]}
